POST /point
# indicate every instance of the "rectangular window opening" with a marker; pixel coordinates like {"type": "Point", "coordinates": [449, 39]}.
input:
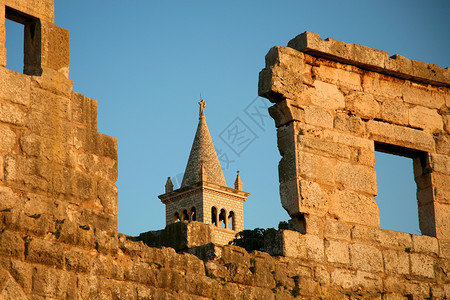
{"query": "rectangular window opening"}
{"type": "Point", "coordinates": [23, 42]}
{"type": "Point", "coordinates": [403, 185]}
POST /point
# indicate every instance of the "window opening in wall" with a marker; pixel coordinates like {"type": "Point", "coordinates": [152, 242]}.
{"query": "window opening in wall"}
{"type": "Point", "coordinates": [222, 218]}
{"type": "Point", "coordinates": [23, 42]}
{"type": "Point", "coordinates": [231, 220]}
{"type": "Point", "coordinates": [176, 218]}
{"type": "Point", "coordinates": [193, 214]}
{"type": "Point", "coordinates": [214, 216]}
{"type": "Point", "coordinates": [184, 216]}
{"type": "Point", "coordinates": [396, 199]}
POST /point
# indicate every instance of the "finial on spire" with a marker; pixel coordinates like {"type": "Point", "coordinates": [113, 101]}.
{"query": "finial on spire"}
{"type": "Point", "coordinates": [169, 185]}
{"type": "Point", "coordinates": [238, 182]}
{"type": "Point", "coordinates": [202, 107]}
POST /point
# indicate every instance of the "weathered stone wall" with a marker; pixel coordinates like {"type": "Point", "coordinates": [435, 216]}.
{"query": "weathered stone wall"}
{"type": "Point", "coordinates": [58, 213]}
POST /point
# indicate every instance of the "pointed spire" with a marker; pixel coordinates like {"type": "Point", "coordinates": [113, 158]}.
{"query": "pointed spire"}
{"type": "Point", "coordinates": [238, 182]}
{"type": "Point", "coordinates": [169, 185]}
{"type": "Point", "coordinates": [203, 162]}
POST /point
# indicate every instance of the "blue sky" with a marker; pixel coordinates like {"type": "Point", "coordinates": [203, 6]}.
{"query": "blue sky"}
{"type": "Point", "coordinates": [146, 63]}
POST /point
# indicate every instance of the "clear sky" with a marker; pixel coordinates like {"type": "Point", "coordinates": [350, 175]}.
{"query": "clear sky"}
{"type": "Point", "coordinates": [146, 62]}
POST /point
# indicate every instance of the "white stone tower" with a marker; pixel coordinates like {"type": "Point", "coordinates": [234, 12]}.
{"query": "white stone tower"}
{"type": "Point", "coordinates": [204, 195]}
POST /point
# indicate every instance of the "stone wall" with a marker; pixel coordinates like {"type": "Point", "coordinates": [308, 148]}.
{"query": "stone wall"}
{"type": "Point", "coordinates": [58, 209]}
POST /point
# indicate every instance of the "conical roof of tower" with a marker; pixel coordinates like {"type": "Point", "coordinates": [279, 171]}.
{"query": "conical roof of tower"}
{"type": "Point", "coordinates": [203, 154]}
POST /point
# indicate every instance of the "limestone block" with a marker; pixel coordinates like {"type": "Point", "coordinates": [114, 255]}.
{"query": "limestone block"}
{"type": "Point", "coordinates": [425, 244]}
{"type": "Point", "coordinates": [9, 289]}
{"type": "Point", "coordinates": [349, 124]}
{"type": "Point", "coordinates": [362, 104]}
{"type": "Point", "coordinates": [366, 234]}
{"type": "Point", "coordinates": [366, 258]}
{"type": "Point", "coordinates": [55, 48]}
{"type": "Point", "coordinates": [96, 143]}
{"type": "Point", "coordinates": [396, 239]}
{"type": "Point", "coordinates": [353, 207]}
{"type": "Point", "coordinates": [337, 230]}
{"type": "Point", "coordinates": [44, 252]}
{"type": "Point", "coordinates": [108, 195]}
{"type": "Point", "coordinates": [8, 138]}
{"type": "Point", "coordinates": [12, 113]}
{"type": "Point", "coordinates": [316, 167]}
{"type": "Point", "coordinates": [444, 247]}
{"type": "Point", "coordinates": [422, 265]}
{"type": "Point", "coordinates": [337, 252]}
{"type": "Point", "coordinates": [400, 136]}
{"type": "Point", "coordinates": [50, 127]}
{"type": "Point", "coordinates": [357, 178]}
{"type": "Point", "coordinates": [365, 157]}
{"type": "Point", "coordinates": [49, 282]}
{"type": "Point", "coordinates": [78, 260]}
{"type": "Point", "coordinates": [42, 9]}
{"type": "Point", "coordinates": [84, 110]}
{"type": "Point", "coordinates": [22, 273]}
{"type": "Point", "coordinates": [446, 118]}
{"type": "Point", "coordinates": [442, 213]}
{"type": "Point", "coordinates": [313, 198]}
{"type": "Point", "coordinates": [394, 111]}
{"type": "Point", "coordinates": [396, 262]}
{"type": "Point", "coordinates": [369, 282]}
{"type": "Point", "coordinates": [425, 118]}
{"type": "Point", "coordinates": [318, 117]}
{"type": "Point", "coordinates": [342, 278]}
{"type": "Point", "coordinates": [423, 95]}
{"type": "Point", "coordinates": [323, 147]}
{"type": "Point", "coordinates": [49, 103]}
{"type": "Point", "coordinates": [103, 167]}
{"type": "Point", "coordinates": [427, 221]}
{"type": "Point", "coordinates": [442, 143]}
{"type": "Point", "coordinates": [440, 163]}
{"type": "Point", "coordinates": [337, 74]}
{"type": "Point", "coordinates": [283, 75]}
{"type": "Point", "coordinates": [48, 149]}
{"type": "Point", "coordinates": [11, 245]}
{"type": "Point", "coordinates": [325, 95]}
{"type": "Point", "coordinates": [383, 86]}
{"type": "Point", "coordinates": [53, 81]}
{"type": "Point", "coordinates": [2, 168]}
{"type": "Point", "coordinates": [14, 87]}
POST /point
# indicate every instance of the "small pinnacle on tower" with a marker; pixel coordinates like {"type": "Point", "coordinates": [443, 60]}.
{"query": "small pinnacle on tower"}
{"type": "Point", "coordinates": [202, 108]}
{"type": "Point", "coordinates": [169, 185]}
{"type": "Point", "coordinates": [238, 182]}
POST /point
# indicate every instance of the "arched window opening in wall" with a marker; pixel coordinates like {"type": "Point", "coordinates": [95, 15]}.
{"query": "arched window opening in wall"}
{"type": "Point", "coordinates": [193, 214]}
{"type": "Point", "coordinates": [214, 216]}
{"type": "Point", "coordinates": [403, 184]}
{"type": "Point", "coordinates": [223, 218]}
{"type": "Point", "coordinates": [231, 220]}
{"type": "Point", "coordinates": [176, 217]}
{"type": "Point", "coordinates": [184, 216]}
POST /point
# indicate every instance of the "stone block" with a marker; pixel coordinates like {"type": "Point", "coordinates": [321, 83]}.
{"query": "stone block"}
{"type": "Point", "coordinates": [55, 48]}
{"type": "Point", "coordinates": [427, 221]}
{"type": "Point", "coordinates": [442, 143]}
{"type": "Point", "coordinates": [108, 195]}
{"type": "Point", "coordinates": [349, 124]}
{"type": "Point", "coordinates": [422, 265]}
{"type": "Point", "coordinates": [9, 289]}
{"type": "Point", "coordinates": [444, 247]}
{"type": "Point", "coordinates": [8, 138]}
{"type": "Point", "coordinates": [362, 105]}
{"type": "Point", "coordinates": [354, 207]}
{"type": "Point", "coordinates": [11, 245]}
{"type": "Point", "coordinates": [366, 258]}
{"type": "Point", "coordinates": [395, 111]}
{"type": "Point", "coordinates": [102, 167]}
{"type": "Point", "coordinates": [50, 127]}
{"type": "Point", "coordinates": [337, 230]}
{"type": "Point", "coordinates": [316, 167]}
{"type": "Point", "coordinates": [426, 119]}
{"type": "Point", "coordinates": [42, 9]}
{"type": "Point", "coordinates": [440, 163]}
{"type": "Point", "coordinates": [396, 262]}
{"type": "Point", "coordinates": [365, 157]}
{"type": "Point", "coordinates": [313, 198]}
{"type": "Point", "coordinates": [53, 81]}
{"type": "Point", "coordinates": [400, 136]}
{"type": "Point", "coordinates": [423, 95]}
{"type": "Point", "coordinates": [50, 104]}
{"type": "Point", "coordinates": [78, 261]}
{"type": "Point", "coordinates": [382, 86]}
{"type": "Point", "coordinates": [338, 74]}
{"type": "Point", "coordinates": [337, 252]}
{"type": "Point", "coordinates": [441, 214]}
{"type": "Point", "coordinates": [14, 87]}
{"type": "Point", "coordinates": [446, 119]}
{"type": "Point", "coordinates": [368, 282]}
{"type": "Point", "coordinates": [357, 178]}
{"type": "Point", "coordinates": [84, 110]}
{"type": "Point", "coordinates": [323, 147]}
{"type": "Point", "coordinates": [12, 113]}
{"type": "Point", "coordinates": [22, 273]}
{"type": "Point", "coordinates": [44, 252]}
{"type": "Point", "coordinates": [343, 279]}
{"type": "Point", "coordinates": [95, 143]}
{"type": "Point", "coordinates": [318, 117]}
{"type": "Point", "coordinates": [425, 244]}
{"type": "Point", "coordinates": [49, 282]}
{"type": "Point", "coordinates": [396, 239]}
{"type": "Point", "coordinates": [325, 95]}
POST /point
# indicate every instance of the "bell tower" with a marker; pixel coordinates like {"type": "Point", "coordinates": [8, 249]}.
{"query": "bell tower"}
{"type": "Point", "coordinates": [204, 195]}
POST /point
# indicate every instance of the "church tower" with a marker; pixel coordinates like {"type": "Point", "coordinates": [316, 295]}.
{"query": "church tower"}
{"type": "Point", "coordinates": [204, 195]}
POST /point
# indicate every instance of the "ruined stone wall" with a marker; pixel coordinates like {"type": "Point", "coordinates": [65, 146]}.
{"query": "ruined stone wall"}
{"type": "Point", "coordinates": [58, 212]}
